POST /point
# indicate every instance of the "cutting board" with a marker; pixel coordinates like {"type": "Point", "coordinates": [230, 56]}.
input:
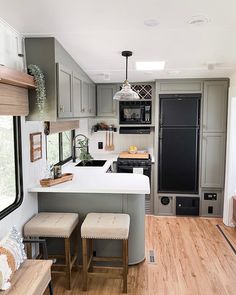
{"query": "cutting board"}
{"type": "Point", "coordinates": [50, 182]}
{"type": "Point", "coordinates": [127, 155]}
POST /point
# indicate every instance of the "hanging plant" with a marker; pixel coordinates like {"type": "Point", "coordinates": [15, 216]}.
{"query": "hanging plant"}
{"type": "Point", "coordinates": [40, 86]}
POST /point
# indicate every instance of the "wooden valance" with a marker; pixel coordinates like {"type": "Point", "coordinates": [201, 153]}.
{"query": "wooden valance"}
{"type": "Point", "coordinates": [60, 126]}
{"type": "Point", "coordinates": [14, 92]}
{"type": "Point", "coordinates": [16, 78]}
{"type": "Point", "coordinates": [13, 100]}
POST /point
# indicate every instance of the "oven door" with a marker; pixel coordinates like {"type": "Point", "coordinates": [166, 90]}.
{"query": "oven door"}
{"type": "Point", "coordinates": [147, 172]}
{"type": "Point", "coordinates": [129, 169]}
{"type": "Point", "coordinates": [131, 114]}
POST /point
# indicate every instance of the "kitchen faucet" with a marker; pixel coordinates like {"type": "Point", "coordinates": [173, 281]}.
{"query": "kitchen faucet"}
{"type": "Point", "coordinates": [82, 143]}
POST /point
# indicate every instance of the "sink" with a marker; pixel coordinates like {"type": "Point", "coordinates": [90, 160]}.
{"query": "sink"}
{"type": "Point", "coordinates": [92, 163]}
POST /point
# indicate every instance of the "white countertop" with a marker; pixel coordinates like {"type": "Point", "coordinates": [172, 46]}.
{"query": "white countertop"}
{"type": "Point", "coordinates": [96, 180]}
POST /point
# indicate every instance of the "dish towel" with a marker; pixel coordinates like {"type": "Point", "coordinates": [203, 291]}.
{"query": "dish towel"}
{"type": "Point", "coordinates": [138, 170]}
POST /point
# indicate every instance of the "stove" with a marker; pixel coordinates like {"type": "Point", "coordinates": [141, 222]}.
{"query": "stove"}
{"type": "Point", "coordinates": [140, 166]}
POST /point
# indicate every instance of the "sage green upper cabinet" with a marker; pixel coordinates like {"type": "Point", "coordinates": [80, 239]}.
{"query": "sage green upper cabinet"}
{"type": "Point", "coordinates": [11, 48]}
{"type": "Point", "coordinates": [85, 99]}
{"type": "Point", "coordinates": [77, 94]}
{"type": "Point", "coordinates": [106, 105]}
{"type": "Point", "coordinates": [92, 100]}
{"type": "Point", "coordinates": [67, 85]}
{"type": "Point", "coordinates": [215, 106]}
{"type": "Point", "coordinates": [64, 92]}
{"type": "Point", "coordinates": [84, 94]}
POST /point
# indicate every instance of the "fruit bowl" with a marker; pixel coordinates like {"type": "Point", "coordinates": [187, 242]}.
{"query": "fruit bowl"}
{"type": "Point", "coordinates": [133, 149]}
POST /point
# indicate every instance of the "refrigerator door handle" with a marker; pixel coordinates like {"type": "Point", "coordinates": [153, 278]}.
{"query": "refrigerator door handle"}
{"type": "Point", "coordinates": [160, 134]}
{"type": "Point", "coordinates": [161, 119]}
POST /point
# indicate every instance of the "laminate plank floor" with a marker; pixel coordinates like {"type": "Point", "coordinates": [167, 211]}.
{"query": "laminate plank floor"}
{"type": "Point", "coordinates": [192, 257]}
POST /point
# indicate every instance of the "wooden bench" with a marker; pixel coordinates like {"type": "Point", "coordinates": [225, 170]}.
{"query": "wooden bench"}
{"type": "Point", "coordinates": [32, 278]}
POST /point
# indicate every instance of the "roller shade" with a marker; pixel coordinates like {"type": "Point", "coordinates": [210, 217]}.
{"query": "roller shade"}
{"type": "Point", "coordinates": [14, 92]}
{"type": "Point", "coordinates": [13, 100]}
{"type": "Point", "coordinates": [55, 127]}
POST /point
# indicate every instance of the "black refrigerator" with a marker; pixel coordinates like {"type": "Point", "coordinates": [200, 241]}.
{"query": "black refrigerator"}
{"type": "Point", "coordinates": [179, 143]}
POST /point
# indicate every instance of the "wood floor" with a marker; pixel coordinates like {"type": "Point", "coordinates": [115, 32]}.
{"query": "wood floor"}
{"type": "Point", "coordinates": [192, 258]}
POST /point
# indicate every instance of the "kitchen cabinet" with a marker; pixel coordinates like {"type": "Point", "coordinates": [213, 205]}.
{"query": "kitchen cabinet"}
{"type": "Point", "coordinates": [65, 99]}
{"type": "Point", "coordinates": [213, 160]}
{"type": "Point", "coordinates": [215, 106]}
{"type": "Point", "coordinates": [85, 105]}
{"type": "Point", "coordinates": [68, 88]}
{"type": "Point", "coordinates": [77, 94]}
{"type": "Point", "coordinates": [106, 105]}
{"type": "Point", "coordinates": [92, 100]}
{"type": "Point", "coordinates": [11, 48]}
{"type": "Point", "coordinates": [85, 99]}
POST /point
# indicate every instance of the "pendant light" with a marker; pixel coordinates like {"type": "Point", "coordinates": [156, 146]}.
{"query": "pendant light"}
{"type": "Point", "coordinates": [126, 93]}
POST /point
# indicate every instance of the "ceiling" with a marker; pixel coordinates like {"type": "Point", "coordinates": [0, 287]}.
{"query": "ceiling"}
{"type": "Point", "coordinates": [95, 33]}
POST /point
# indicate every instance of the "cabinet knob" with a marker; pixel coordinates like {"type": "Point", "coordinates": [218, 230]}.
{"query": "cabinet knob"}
{"type": "Point", "coordinates": [82, 110]}
{"type": "Point", "coordinates": [62, 108]}
{"type": "Point", "coordinates": [90, 110]}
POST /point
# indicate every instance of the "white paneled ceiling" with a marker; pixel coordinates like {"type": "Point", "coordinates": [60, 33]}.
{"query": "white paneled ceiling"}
{"type": "Point", "coordinates": [95, 33]}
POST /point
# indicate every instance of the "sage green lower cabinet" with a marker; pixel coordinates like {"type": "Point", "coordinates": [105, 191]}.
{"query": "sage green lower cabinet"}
{"type": "Point", "coordinates": [106, 105]}
{"type": "Point", "coordinates": [213, 160]}
{"type": "Point", "coordinates": [83, 203]}
{"type": "Point", "coordinates": [64, 92]}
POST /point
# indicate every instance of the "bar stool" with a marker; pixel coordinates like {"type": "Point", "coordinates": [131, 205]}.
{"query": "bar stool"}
{"type": "Point", "coordinates": [104, 226]}
{"type": "Point", "coordinates": [57, 225]}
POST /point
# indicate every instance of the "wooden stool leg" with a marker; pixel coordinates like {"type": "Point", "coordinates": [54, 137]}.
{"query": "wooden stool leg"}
{"type": "Point", "coordinates": [91, 255]}
{"type": "Point", "coordinates": [125, 265]}
{"type": "Point", "coordinates": [85, 264]}
{"type": "Point", "coordinates": [76, 247]}
{"type": "Point", "coordinates": [68, 262]}
{"type": "Point", "coordinates": [29, 250]}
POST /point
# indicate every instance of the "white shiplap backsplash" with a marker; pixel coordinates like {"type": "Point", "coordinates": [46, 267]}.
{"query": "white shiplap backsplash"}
{"type": "Point", "coordinates": [121, 141]}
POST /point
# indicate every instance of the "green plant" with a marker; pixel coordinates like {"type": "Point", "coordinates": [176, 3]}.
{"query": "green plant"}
{"type": "Point", "coordinates": [84, 154]}
{"type": "Point", "coordinates": [40, 86]}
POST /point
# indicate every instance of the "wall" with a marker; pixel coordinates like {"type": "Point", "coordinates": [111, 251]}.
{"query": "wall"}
{"type": "Point", "coordinates": [32, 172]}
{"type": "Point", "coordinates": [121, 141]}
{"type": "Point", "coordinates": [230, 175]}
{"type": "Point", "coordinates": [10, 46]}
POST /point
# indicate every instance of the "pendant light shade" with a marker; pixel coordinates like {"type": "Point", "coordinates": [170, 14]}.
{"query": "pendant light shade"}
{"type": "Point", "coordinates": [126, 93]}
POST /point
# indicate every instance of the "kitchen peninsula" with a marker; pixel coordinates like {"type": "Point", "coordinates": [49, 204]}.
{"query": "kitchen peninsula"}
{"type": "Point", "coordinates": [94, 190]}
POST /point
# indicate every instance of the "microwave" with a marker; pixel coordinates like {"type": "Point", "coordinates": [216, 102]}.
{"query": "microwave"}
{"type": "Point", "coordinates": [135, 112]}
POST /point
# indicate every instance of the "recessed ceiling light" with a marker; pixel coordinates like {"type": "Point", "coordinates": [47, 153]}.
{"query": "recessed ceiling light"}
{"type": "Point", "coordinates": [198, 20]}
{"type": "Point", "coordinates": [151, 22]}
{"type": "Point", "coordinates": [150, 65]}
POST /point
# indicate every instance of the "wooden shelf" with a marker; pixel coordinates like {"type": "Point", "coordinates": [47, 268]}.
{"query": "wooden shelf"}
{"type": "Point", "coordinates": [16, 78]}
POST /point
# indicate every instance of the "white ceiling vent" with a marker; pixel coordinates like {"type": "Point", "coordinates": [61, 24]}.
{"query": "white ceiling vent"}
{"type": "Point", "coordinates": [198, 20]}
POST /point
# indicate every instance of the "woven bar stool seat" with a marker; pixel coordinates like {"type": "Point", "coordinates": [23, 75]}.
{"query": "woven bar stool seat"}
{"type": "Point", "coordinates": [57, 225]}
{"type": "Point", "coordinates": [105, 226]}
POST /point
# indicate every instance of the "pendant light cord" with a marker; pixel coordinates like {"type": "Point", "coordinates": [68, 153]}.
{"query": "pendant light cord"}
{"type": "Point", "coordinates": [126, 68]}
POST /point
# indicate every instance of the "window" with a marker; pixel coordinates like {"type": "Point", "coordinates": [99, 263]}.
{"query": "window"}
{"type": "Point", "coordinates": [59, 147]}
{"type": "Point", "coordinates": [11, 187]}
